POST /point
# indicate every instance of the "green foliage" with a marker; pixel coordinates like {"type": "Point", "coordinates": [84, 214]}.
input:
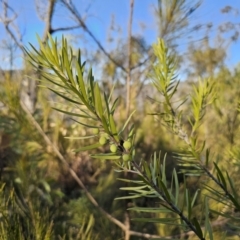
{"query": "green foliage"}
{"type": "Point", "coordinates": [177, 205]}
{"type": "Point", "coordinates": [66, 72]}
{"type": "Point", "coordinates": [21, 221]}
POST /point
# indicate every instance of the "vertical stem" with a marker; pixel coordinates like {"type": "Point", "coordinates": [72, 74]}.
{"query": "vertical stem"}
{"type": "Point", "coordinates": [129, 58]}
{"type": "Point", "coordinates": [127, 224]}
{"type": "Point", "coordinates": [33, 85]}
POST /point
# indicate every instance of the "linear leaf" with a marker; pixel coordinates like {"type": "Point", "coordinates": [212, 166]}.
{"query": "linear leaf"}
{"type": "Point", "coordinates": [232, 186]}
{"type": "Point", "coordinates": [113, 127]}
{"type": "Point", "coordinates": [198, 228]}
{"type": "Point", "coordinates": [106, 156]}
{"type": "Point", "coordinates": [165, 190]}
{"type": "Point", "coordinates": [114, 105]}
{"type": "Point", "coordinates": [98, 100]}
{"type": "Point", "coordinates": [81, 82]}
{"type": "Point", "coordinates": [176, 186]}
{"type": "Point", "coordinates": [105, 125]}
{"type": "Point", "coordinates": [86, 125]}
{"type": "Point", "coordinates": [90, 147]}
{"type": "Point", "coordinates": [107, 104]}
{"type": "Point", "coordinates": [148, 209]}
{"type": "Point", "coordinates": [80, 138]}
{"type": "Point", "coordinates": [63, 96]}
{"type": "Point", "coordinates": [70, 113]}
{"type": "Point", "coordinates": [126, 123]}
{"type": "Point", "coordinates": [219, 173]}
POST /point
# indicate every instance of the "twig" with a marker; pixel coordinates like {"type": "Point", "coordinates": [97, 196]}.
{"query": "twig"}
{"type": "Point", "coordinates": [64, 29]}
{"type": "Point", "coordinates": [127, 224]}
{"type": "Point", "coordinates": [7, 21]}
{"type": "Point", "coordinates": [48, 21]}
{"type": "Point", "coordinates": [76, 14]}
{"type": "Point", "coordinates": [129, 54]}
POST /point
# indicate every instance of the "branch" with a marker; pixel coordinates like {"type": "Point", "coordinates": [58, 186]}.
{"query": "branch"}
{"type": "Point", "coordinates": [128, 85]}
{"type": "Point", "coordinates": [79, 182]}
{"type": "Point", "coordinates": [76, 14]}
{"type": "Point", "coordinates": [168, 202]}
{"type": "Point", "coordinates": [7, 21]}
{"type": "Point", "coordinates": [71, 171]}
{"type": "Point", "coordinates": [64, 29]}
{"type": "Point", "coordinates": [48, 21]}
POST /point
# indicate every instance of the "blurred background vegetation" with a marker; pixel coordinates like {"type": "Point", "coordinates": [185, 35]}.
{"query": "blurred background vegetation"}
{"type": "Point", "coordinates": [39, 198]}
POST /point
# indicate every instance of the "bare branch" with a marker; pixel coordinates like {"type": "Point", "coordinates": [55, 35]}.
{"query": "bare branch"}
{"type": "Point", "coordinates": [9, 21]}
{"type": "Point", "coordinates": [78, 17]}
{"type": "Point", "coordinates": [48, 20]}
{"type": "Point", "coordinates": [128, 83]}
{"type": "Point", "coordinates": [64, 29]}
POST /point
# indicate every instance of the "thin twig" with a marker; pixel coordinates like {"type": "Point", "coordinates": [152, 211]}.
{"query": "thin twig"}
{"type": "Point", "coordinates": [64, 29]}
{"type": "Point", "coordinates": [129, 55]}
{"type": "Point", "coordinates": [48, 20]}
{"type": "Point", "coordinates": [76, 14]}
{"type": "Point", "coordinates": [7, 21]}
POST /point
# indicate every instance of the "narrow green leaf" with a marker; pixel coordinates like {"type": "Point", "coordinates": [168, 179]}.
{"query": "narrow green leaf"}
{"type": "Point", "coordinates": [129, 197]}
{"type": "Point", "coordinates": [164, 189]}
{"type": "Point", "coordinates": [68, 67]}
{"type": "Point", "coordinates": [106, 156]}
{"type": "Point", "coordinates": [98, 100]}
{"type": "Point", "coordinates": [163, 170]}
{"type": "Point", "coordinates": [63, 96]}
{"type": "Point", "coordinates": [81, 82]}
{"type": "Point", "coordinates": [225, 215]}
{"type": "Point", "coordinates": [147, 170]}
{"type": "Point", "coordinates": [198, 228]}
{"type": "Point", "coordinates": [86, 125]}
{"type": "Point", "coordinates": [208, 227]}
{"type": "Point", "coordinates": [113, 127]}
{"type": "Point", "coordinates": [194, 198]}
{"type": "Point", "coordinates": [188, 203]}
{"type": "Point", "coordinates": [126, 123]}
{"type": "Point", "coordinates": [54, 47]}
{"type": "Point", "coordinates": [207, 156]}
{"type": "Point", "coordinates": [70, 113]}
{"type": "Point", "coordinates": [51, 78]}
{"type": "Point", "coordinates": [167, 221]}
{"type": "Point", "coordinates": [232, 186]}
{"type": "Point", "coordinates": [105, 125]}
{"type": "Point", "coordinates": [91, 84]}
{"type": "Point", "coordinates": [62, 78]}
{"type": "Point", "coordinates": [90, 147]}
{"type": "Point", "coordinates": [234, 201]}
{"type": "Point", "coordinates": [135, 188]}
{"type": "Point", "coordinates": [131, 181]}
{"type": "Point", "coordinates": [176, 183]}
{"type": "Point", "coordinates": [114, 105]}
{"type": "Point", "coordinates": [81, 138]}
{"type": "Point", "coordinates": [150, 210]}
{"type": "Point", "coordinates": [106, 104]}
{"type": "Point", "coordinates": [111, 93]}
{"type": "Point", "coordinates": [219, 173]}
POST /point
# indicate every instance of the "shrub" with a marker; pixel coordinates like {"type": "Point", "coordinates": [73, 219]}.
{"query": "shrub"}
{"type": "Point", "coordinates": [192, 212]}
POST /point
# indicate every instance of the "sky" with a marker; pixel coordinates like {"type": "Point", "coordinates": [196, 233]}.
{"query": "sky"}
{"type": "Point", "coordinates": [99, 16]}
